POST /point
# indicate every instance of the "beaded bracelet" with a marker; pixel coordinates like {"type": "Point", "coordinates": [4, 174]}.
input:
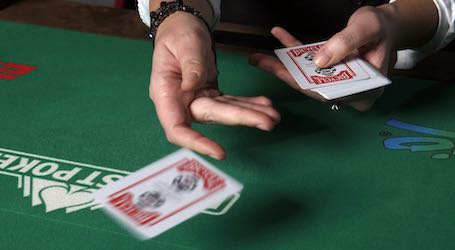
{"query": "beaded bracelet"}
{"type": "Point", "coordinates": [165, 10]}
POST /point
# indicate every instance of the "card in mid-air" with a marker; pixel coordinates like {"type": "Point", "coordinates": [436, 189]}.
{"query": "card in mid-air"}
{"type": "Point", "coordinates": [166, 193]}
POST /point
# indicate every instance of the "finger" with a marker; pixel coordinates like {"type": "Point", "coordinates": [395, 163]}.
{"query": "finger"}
{"type": "Point", "coordinates": [268, 110]}
{"type": "Point", "coordinates": [208, 110]}
{"type": "Point", "coordinates": [354, 36]}
{"type": "Point", "coordinates": [260, 100]}
{"type": "Point", "coordinates": [207, 92]}
{"type": "Point", "coordinates": [175, 121]}
{"type": "Point", "coordinates": [186, 137]}
{"type": "Point", "coordinates": [285, 37]}
{"type": "Point", "coordinates": [274, 66]}
{"type": "Point", "coordinates": [379, 59]}
{"type": "Point", "coordinates": [364, 101]}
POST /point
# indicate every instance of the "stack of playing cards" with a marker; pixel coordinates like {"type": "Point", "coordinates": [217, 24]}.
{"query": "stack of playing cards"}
{"type": "Point", "coordinates": [351, 76]}
{"type": "Point", "coordinates": [166, 193]}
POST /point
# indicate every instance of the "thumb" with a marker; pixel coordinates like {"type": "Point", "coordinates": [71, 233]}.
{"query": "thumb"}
{"type": "Point", "coordinates": [194, 70]}
{"type": "Point", "coordinates": [344, 43]}
{"type": "Point", "coordinates": [193, 58]}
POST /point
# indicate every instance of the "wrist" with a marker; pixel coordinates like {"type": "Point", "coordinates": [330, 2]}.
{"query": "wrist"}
{"type": "Point", "coordinates": [391, 24]}
{"type": "Point", "coordinates": [413, 22]}
{"type": "Point", "coordinates": [181, 25]}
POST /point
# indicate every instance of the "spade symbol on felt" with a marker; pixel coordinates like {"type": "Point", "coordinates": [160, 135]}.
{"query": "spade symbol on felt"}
{"type": "Point", "coordinates": [57, 197]}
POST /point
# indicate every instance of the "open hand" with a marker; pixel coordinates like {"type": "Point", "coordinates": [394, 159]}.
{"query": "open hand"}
{"type": "Point", "coordinates": [184, 88]}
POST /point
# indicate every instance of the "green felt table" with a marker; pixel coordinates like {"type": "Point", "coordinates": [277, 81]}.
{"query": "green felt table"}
{"type": "Point", "coordinates": [384, 179]}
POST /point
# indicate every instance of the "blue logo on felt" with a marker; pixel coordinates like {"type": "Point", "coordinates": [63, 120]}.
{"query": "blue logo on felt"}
{"type": "Point", "coordinates": [440, 142]}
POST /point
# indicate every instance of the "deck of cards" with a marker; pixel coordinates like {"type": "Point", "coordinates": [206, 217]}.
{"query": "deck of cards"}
{"type": "Point", "coordinates": [351, 76]}
{"type": "Point", "coordinates": [166, 193]}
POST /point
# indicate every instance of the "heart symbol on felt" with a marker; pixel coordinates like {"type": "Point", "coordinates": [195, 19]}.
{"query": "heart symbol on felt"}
{"type": "Point", "coordinates": [57, 197]}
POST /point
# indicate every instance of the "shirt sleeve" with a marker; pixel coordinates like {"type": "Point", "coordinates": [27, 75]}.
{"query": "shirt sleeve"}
{"type": "Point", "coordinates": [144, 11]}
{"type": "Point", "coordinates": [445, 33]}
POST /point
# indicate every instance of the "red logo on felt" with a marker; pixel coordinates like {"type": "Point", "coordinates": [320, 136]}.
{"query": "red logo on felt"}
{"type": "Point", "coordinates": [9, 71]}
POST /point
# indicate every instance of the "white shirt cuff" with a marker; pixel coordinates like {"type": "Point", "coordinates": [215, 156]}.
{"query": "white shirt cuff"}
{"type": "Point", "coordinates": [445, 33]}
{"type": "Point", "coordinates": [144, 11]}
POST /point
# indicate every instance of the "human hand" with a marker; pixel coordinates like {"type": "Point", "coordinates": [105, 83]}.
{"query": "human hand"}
{"type": "Point", "coordinates": [184, 89]}
{"type": "Point", "coordinates": [368, 34]}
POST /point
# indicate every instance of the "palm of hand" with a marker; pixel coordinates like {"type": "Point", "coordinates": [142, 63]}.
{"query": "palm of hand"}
{"type": "Point", "coordinates": [178, 108]}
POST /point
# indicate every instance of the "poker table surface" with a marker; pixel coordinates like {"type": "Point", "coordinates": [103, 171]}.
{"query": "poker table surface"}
{"type": "Point", "coordinates": [78, 116]}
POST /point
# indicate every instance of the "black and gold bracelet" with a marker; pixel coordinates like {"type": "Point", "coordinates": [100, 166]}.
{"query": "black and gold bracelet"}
{"type": "Point", "coordinates": [168, 8]}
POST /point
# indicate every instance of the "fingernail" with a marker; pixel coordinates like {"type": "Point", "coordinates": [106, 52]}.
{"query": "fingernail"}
{"type": "Point", "coordinates": [218, 157]}
{"type": "Point", "coordinates": [273, 30]}
{"type": "Point", "coordinates": [252, 61]}
{"type": "Point", "coordinates": [264, 127]}
{"type": "Point", "coordinates": [323, 57]}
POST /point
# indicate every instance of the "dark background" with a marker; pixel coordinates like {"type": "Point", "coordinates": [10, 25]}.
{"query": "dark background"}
{"type": "Point", "coordinates": [309, 20]}
{"type": "Point", "coordinates": [317, 18]}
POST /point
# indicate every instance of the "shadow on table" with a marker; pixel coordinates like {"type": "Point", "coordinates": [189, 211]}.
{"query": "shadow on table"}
{"type": "Point", "coordinates": [266, 216]}
{"type": "Point", "coordinates": [255, 148]}
{"type": "Point", "coordinates": [409, 95]}
{"type": "Point", "coordinates": [404, 94]}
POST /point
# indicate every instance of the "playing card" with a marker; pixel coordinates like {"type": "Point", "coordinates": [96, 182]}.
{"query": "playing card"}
{"type": "Point", "coordinates": [377, 80]}
{"type": "Point", "coordinates": [166, 193]}
{"type": "Point", "coordinates": [299, 62]}
{"type": "Point", "coordinates": [351, 76]}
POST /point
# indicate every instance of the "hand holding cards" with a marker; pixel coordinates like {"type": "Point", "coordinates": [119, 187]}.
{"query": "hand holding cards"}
{"type": "Point", "coordinates": [351, 76]}
{"type": "Point", "coordinates": [166, 193]}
